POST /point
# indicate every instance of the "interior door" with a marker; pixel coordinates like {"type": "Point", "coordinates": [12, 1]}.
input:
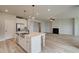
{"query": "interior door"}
{"type": "Point", "coordinates": [10, 27]}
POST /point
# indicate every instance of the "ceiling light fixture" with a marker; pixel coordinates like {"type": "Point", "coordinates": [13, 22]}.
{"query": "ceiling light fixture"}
{"type": "Point", "coordinates": [35, 9]}
{"type": "Point", "coordinates": [25, 14]}
{"type": "Point", "coordinates": [51, 18]}
{"type": "Point", "coordinates": [49, 9]}
{"type": "Point", "coordinates": [33, 16]}
{"type": "Point", "coordinates": [6, 10]}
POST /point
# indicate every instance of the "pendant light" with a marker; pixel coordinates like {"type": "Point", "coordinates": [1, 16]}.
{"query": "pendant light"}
{"type": "Point", "coordinates": [33, 16]}
{"type": "Point", "coordinates": [34, 9]}
{"type": "Point", "coordinates": [51, 18]}
{"type": "Point", "coordinates": [25, 15]}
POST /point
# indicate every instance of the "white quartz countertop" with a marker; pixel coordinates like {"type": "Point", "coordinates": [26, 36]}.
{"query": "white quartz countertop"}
{"type": "Point", "coordinates": [33, 34]}
{"type": "Point", "coordinates": [21, 32]}
{"type": "Point", "coordinates": [5, 37]}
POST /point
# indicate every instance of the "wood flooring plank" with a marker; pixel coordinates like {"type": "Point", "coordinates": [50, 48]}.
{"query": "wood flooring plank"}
{"type": "Point", "coordinates": [54, 44]}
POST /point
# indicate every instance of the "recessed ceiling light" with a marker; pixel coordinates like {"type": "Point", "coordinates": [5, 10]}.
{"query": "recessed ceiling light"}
{"type": "Point", "coordinates": [33, 17]}
{"type": "Point", "coordinates": [6, 10]}
{"type": "Point", "coordinates": [29, 16]}
{"type": "Point", "coordinates": [37, 13]}
{"type": "Point", "coordinates": [51, 20]}
{"type": "Point", "coordinates": [49, 9]}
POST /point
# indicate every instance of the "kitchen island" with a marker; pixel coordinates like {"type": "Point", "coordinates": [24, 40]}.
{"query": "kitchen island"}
{"type": "Point", "coordinates": [32, 42]}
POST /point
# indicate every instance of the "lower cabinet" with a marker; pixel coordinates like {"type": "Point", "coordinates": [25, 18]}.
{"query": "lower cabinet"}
{"type": "Point", "coordinates": [36, 44]}
{"type": "Point", "coordinates": [30, 44]}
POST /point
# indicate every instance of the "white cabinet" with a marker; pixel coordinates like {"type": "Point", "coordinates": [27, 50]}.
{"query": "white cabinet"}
{"type": "Point", "coordinates": [21, 42]}
{"type": "Point", "coordinates": [22, 21]}
{"type": "Point", "coordinates": [43, 39]}
{"type": "Point", "coordinates": [30, 43]}
{"type": "Point", "coordinates": [36, 44]}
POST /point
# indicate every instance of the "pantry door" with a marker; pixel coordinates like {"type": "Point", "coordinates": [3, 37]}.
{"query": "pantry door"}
{"type": "Point", "coordinates": [10, 27]}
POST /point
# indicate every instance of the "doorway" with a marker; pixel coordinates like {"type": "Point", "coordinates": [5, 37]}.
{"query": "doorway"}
{"type": "Point", "coordinates": [37, 27]}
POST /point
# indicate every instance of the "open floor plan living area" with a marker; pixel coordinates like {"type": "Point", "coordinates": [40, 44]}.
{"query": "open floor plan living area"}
{"type": "Point", "coordinates": [39, 28]}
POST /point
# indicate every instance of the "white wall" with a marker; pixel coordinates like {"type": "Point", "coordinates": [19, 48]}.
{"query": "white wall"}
{"type": "Point", "coordinates": [76, 24]}
{"type": "Point", "coordinates": [36, 27]}
{"type": "Point", "coordinates": [71, 13]}
{"type": "Point", "coordinates": [1, 24]}
{"type": "Point", "coordinates": [65, 25]}
{"type": "Point", "coordinates": [46, 26]}
{"type": "Point", "coordinates": [43, 26]}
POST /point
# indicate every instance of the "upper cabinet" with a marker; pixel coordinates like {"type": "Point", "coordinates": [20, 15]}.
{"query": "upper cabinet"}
{"type": "Point", "coordinates": [21, 24]}
{"type": "Point", "coordinates": [18, 20]}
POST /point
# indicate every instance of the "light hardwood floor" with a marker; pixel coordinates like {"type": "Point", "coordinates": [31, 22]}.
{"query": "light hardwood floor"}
{"type": "Point", "coordinates": [54, 44]}
{"type": "Point", "coordinates": [61, 44]}
{"type": "Point", "coordinates": [10, 46]}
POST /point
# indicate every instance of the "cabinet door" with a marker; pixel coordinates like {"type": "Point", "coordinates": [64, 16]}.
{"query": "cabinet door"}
{"type": "Point", "coordinates": [36, 44]}
{"type": "Point", "coordinates": [24, 43]}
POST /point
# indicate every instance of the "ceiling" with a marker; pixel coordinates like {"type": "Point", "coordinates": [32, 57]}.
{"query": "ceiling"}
{"type": "Point", "coordinates": [42, 12]}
